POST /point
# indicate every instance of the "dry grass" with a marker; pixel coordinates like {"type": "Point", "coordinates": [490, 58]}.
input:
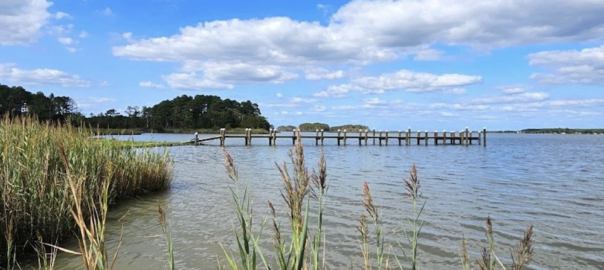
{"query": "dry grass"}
{"type": "Point", "coordinates": [37, 199]}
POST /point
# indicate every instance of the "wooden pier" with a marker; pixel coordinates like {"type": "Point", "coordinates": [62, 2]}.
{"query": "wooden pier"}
{"type": "Point", "coordinates": [363, 137]}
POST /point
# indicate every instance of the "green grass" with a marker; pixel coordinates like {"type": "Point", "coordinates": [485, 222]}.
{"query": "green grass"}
{"type": "Point", "coordinates": [53, 176]}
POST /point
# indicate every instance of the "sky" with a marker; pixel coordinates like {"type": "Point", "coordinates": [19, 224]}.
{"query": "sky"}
{"type": "Point", "coordinates": [419, 64]}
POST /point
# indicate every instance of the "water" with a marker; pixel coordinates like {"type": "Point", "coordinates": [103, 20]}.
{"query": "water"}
{"type": "Point", "coordinates": [554, 182]}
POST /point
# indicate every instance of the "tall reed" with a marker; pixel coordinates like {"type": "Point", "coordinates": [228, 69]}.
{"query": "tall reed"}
{"type": "Point", "coordinates": [35, 195]}
{"type": "Point", "coordinates": [301, 246]}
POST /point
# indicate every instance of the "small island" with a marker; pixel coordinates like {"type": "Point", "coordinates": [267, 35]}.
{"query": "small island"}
{"type": "Point", "coordinates": [322, 126]}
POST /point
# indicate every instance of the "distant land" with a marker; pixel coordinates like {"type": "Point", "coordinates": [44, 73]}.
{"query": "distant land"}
{"type": "Point", "coordinates": [563, 130]}
{"type": "Point", "coordinates": [322, 126]}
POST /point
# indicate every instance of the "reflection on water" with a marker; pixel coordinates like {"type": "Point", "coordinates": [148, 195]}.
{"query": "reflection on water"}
{"type": "Point", "coordinates": [553, 182]}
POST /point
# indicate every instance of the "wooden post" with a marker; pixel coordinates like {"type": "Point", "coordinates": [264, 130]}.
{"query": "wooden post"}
{"type": "Point", "coordinates": [274, 137]}
{"type": "Point", "coordinates": [270, 137]}
{"type": "Point", "coordinates": [366, 135]}
{"type": "Point", "coordinates": [322, 136]}
{"type": "Point", "coordinates": [479, 137]}
{"type": "Point", "coordinates": [373, 136]}
{"type": "Point", "coordinates": [380, 138]}
{"type": "Point", "coordinates": [250, 136]}
{"type": "Point", "coordinates": [399, 137]}
{"type": "Point", "coordinates": [294, 138]}
{"type": "Point", "coordinates": [484, 137]}
{"type": "Point", "coordinates": [436, 137]}
{"type": "Point", "coordinates": [317, 137]}
{"type": "Point", "coordinates": [245, 137]}
{"type": "Point", "coordinates": [196, 138]}
{"type": "Point", "coordinates": [452, 137]}
{"type": "Point", "coordinates": [471, 136]}
{"type": "Point", "coordinates": [444, 137]}
{"type": "Point", "coordinates": [222, 136]}
{"type": "Point", "coordinates": [466, 136]}
{"type": "Point", "coordinates": [344, 137]}
{"type": "Point", "coordinates": [408, 134]}
{"type": "Point", "coordinates": [418, 135]}
{"type": "Point", "coordinates": [426, 138]}
{"type": "Point", "coordinates": [360, 136]}
{"type": "Point", "coordinates": [386, 139]}
{"type": "Point", "coordinates": [338, 137]}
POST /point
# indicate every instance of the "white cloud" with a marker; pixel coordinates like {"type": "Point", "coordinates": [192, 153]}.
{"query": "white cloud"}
{"type": "Point", "coordinates": [323, 74]}
{"type": "Point", "coordinates": [107, 11]}
{"type": "Point", "coordinates": [370, 31]}
{"type": "Point", "coordinates": [83, 34]}
{"type": "Point", "coordinates": [302, 100]}
{"type": "Point", "coordinates": [279, 95]}
{"type": "Point", "coordinates": [570, 67]}
{"type": "Point", "coordinates": [41, 77]}
{"type": "Point", "coordinates": [428, 55]}
{"type": "Point", "coordinates": [88, 103]}
{"type": "Point", "coordinates": [319, 108]}
{"type": "Point", "coordinates": [336, 91]}
{"type": "Point", "coordinates": [519, 97]}
{"type": "Point", "coordinates": [455, 91]}
{"type": "Point", "coordinates": [478, 23]}
{"type": "Point", "coordinates": [65, 40]}
{"type": "Point", "coordinates": [128, 36]}
{"type": "Point", "coordinates": [246, 73]}
{"type": "Point", "coordinates": [60, 29]}
{"type": "Point", "coordinates": [71, 49]}
{"type": "Point", "coordinates": [413, 82]}
{"type": "Point", "coordinates": [148, 84]}
{"type": "Point", "coordinates": [22, 20]}
{"type": "Point", "coordinates": [512, 89]}
{"type": "Point", "coordinates": [191, 81]}
{"type": "Point", "coordinates": [61, 15]}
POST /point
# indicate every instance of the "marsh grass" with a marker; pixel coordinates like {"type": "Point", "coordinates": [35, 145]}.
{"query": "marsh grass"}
{"type": "Point", "coordinates": [302, 245]}
{"type": "Point", "coordinates": [54, 180]}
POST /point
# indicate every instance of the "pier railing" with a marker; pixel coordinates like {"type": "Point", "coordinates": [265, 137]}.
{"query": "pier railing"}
{"type": "Point", "coordinates": [343, 137]}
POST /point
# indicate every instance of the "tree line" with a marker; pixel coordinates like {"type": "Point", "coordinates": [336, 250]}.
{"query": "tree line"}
{"type": "Point", "coordinates": [16, 100]}
{"type": "Point", "coordinates": [322, 126]}
{"type": "Point", "coordinates": [183, 112]}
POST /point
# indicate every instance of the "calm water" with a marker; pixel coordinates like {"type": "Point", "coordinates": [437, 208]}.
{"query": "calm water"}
{"type": "Point", "coordinates": [554, 182]}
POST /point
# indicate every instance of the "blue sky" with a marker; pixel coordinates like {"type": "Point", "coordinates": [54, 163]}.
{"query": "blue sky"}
{"type": "Point", "coordinates": [428, 65]}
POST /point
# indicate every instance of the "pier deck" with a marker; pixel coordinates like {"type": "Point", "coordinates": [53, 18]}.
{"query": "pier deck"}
{"type": "Point", "coordinates": [363, 137]}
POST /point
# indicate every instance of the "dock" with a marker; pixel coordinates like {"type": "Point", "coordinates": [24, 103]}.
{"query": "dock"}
{"type": "Point", "coordinates": [363, 137]}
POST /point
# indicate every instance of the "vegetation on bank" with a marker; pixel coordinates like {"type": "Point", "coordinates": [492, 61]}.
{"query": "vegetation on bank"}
{"type": "Point", "coordinates": [183, 112]}
{"type": "Point", "coordinates": [564, 130]}
{"type": "Point", "coordinates": [53, 178]}
{"type": "Point", "coordinates": [322, 126]}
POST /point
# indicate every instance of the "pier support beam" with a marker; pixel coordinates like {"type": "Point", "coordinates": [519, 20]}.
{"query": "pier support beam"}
{"type": "Point", "coordinates": [322, 136]}
{"type": "Point", "coordinates": [196, 139]}
{"type": "Point", "coordinates": [399, 137]}
{"type": "Point", "coordinates": [222, 136]}
{"type": "Point", "coordinates": [426, 137]}
{"type": "Point", "coordinates": [484, 137]}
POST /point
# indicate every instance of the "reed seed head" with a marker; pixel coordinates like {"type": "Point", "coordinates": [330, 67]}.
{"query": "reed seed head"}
{"type": "Point", "coordinates": [523, 251]}
{"type": "Point", "coordinates": [412, 184]}
{"type": "Point", "coordinates": [368, 202]}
